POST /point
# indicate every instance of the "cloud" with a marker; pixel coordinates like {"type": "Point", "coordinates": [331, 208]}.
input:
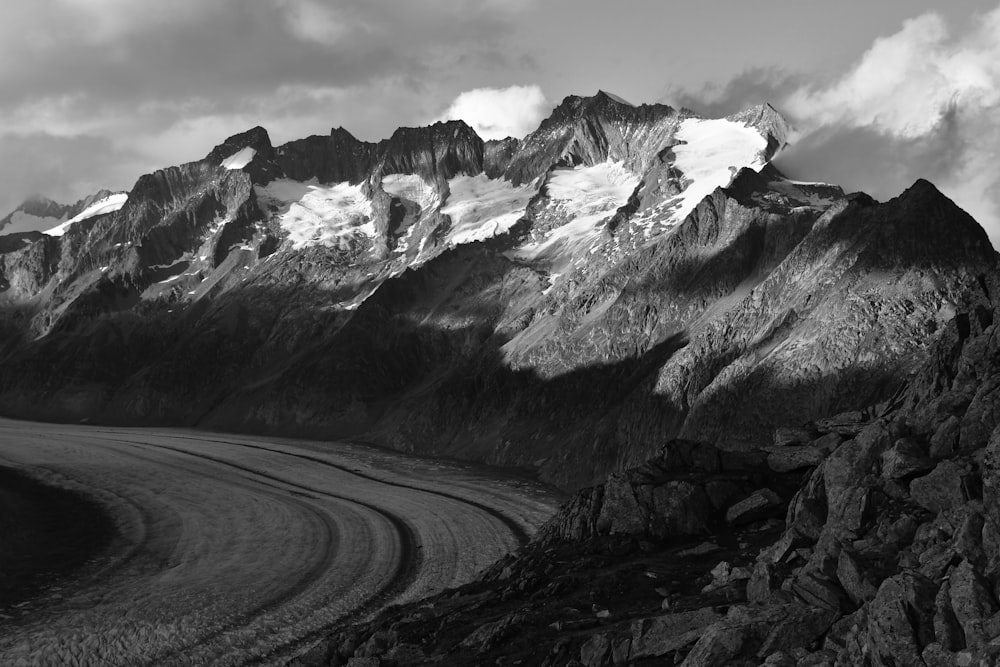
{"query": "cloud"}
{"type": "Point", "coordinates": [497, 113]}
{"type": "Point", "coordinates": [64, 168]}
{"type": "Point", "coordinates": [753, 86]}
{"type": "Point", "coordinates": [906, 82]}
{"type": "Point", "coordinates": [134, 51]}
{"type": "Point", "coordinates": [919, 103]}
{"type": "Point", "coordinates": [321, 23]}
{"type": "Point", "coordinates": [153, 79]}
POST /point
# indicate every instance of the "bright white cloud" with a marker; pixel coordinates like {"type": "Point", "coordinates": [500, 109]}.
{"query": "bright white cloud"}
{"type": "Point", "coordinates": [497, 113]}
{"type": "Point", "coordinates": [906, 82]}
{"type": "Point", "coordinates": [922, 87]}
{"type": "Point", "coordinates": [104, 21]}
{"type": "Point", "coordinates": [320, 23]}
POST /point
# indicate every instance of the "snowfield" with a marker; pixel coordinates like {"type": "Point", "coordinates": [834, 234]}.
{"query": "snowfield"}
{"type": "Point", "coordinates": [239, 159]}
{"type": "Point", "coordinates": [712, 153]}
{"type": "Point", "coordinates": [481, 207]}
{"type": "Point", "coordinates": [412, 188]}
{"type": "Point", "coordinates": [233, 549]}
{"type": "Point", "coordinates": [316, 214]}
{"type": "Point", "coordinates": [109, 204]}
{"type": "Point", "coordinates": [586, 196]}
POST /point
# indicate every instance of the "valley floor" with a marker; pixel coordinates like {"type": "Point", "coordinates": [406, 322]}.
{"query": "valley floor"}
{"type": "Point", "coordinates": [241, 550]}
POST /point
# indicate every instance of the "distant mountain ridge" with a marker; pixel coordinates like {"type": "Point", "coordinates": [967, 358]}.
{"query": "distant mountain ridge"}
{"type": "Point", "coordinates": [564, 302]}
{"type": "Point", "coordinates": [39, 214]}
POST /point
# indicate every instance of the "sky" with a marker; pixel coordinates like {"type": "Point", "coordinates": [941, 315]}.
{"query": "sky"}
{"type": "Point", "coordinates": [95, 93]}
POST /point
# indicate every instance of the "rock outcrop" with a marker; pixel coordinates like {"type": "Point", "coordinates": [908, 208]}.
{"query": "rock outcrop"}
{"type": "Point", "coordinates": [885, 557]}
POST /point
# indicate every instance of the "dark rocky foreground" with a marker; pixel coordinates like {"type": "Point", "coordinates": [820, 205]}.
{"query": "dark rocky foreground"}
{"type": "Point", "coordinates": [867, 538]}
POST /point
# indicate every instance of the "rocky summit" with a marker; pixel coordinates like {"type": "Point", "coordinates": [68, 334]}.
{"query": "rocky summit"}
{"type": "Point", "coordinates": [774, 402]}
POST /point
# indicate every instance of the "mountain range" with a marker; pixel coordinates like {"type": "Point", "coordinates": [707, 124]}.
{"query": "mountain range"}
{"type": "Point", "coordinates": [773, 403]}
{"type": "Point", "coordinates": [564, 303]}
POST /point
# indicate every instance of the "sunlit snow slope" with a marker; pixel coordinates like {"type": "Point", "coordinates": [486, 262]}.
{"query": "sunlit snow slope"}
{"type": "Point", "coordinates": [104, 206]}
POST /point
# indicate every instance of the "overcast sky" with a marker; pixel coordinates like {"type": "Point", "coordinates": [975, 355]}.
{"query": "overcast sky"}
{"type": "Point", "coordinates": [94, 93]}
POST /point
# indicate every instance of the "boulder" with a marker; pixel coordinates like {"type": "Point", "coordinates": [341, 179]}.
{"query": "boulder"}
{"type": "Point", "coordinates": [855, 511]}
{"type": "Point", "coordinates": [780, 659]}
{"type": "Point", "coordinates": [594, 651]}
{"type": "Point", "coordinates": [852, 461]}
{"type": "Point", "coordinates": [487, 636]}
{"type": "Point", "coordinates": [758, 505]}
{"type": "Point", "coordinates": [848, 424]}
{"type": "Point", "coordinates": [819, 591]}
{"type": "Point", "coordinates": [901, 620]}
{"type": "Point", "coordinates": [944, 442]}
{"type": "Point", "coordinates": [796, 457]}
{"type": "Point", "coordinates": [679, 508]}
{"type": "Point", "coordinates": [982, 415]}
{"type": "Point", "coordinates": [799, 627]}
{"type": "Point", "coordinates": [364, 662]}
{"type": "Point", "coordinates": [854, 578]}
{"type": "Point", "coordinates": [762, 582]}
{"type": "Point", "coordinates": [827, 443]}
{"type": "Point", "coordinates": [663, 510]}
{"type": "Point", "coordinates": [968, 539]}
{"type": "Point", "coordinates": [719, 644]}
{"type": "Point", "coordinates": [807, 512]}
{"type": "Point", "coordinates": [948, 485]}
{"type": "Point", "coordinates": [905, 459]}
{"type": "Point", "coordinates": [972, 601]}
{"type": "Point", "coordinates": [659, 635]}
{"type": "Point", "coordinates": [991, 476]}
{"type": "Point", "coordinates": [947, 629]}
{"type": "Point", "coordinates": [725, 574]}
{"type": "Point", "coordinates": [791, 435]}
{"type": "Point", "coordinates": [822, 658]}
{"type": "Point", "coordinates": [752, 633]}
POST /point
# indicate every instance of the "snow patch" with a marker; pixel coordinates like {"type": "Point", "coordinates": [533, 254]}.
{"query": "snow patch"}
{"type": "Point", "coordinates": [411, 187]}
{"type": "Point", "coordinates": [481, 207]}
{"type": "Point", "coordinates": [712, 153]}
{"type": "Point", "coordinates": [552, 283]}
{"type": "Point", "coordinates": [316, 214]}
{"type": "Point", "coordinates": [587, 196]}
{"type": "Point", "coordinates": [239, 159]}
{"type": "Point", "coordinates": [109, 204]}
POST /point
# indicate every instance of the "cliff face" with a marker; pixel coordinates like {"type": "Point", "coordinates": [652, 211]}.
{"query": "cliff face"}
{"type": "Point", "coordinates": [564, 303]}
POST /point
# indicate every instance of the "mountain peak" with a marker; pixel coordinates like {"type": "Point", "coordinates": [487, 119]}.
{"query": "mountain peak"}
{"type": "Point", "coordinates": [255, 139]}
{"type": "Point", "coordinates": [442, 129]}
{"type": "Point", "coordinates": [611, 96]}
{"type": "Point", "coordinates": [41, 206]}
{"type": "Point", "coordinates": [924, 195]}
{"type": "Point", "coordinates": [921, 189]}
{"type": "Point", "coordinates": [768, 120]}
{"type": "Point", "coordinates": [340, 132]}
{"type": "Point", "coordinates": [445, 148]}
{"type": "Point", "coordinates": [603, 103]}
